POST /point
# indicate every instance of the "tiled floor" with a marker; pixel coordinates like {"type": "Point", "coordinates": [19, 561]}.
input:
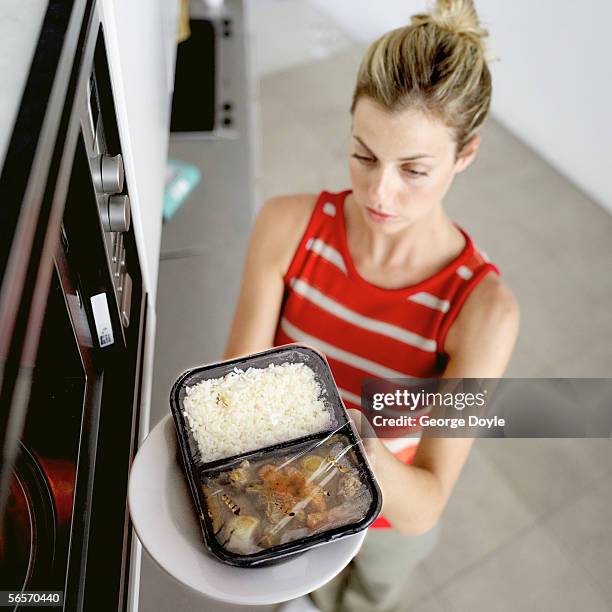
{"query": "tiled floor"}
{"type": "Point", "coordinates": [528, 526]}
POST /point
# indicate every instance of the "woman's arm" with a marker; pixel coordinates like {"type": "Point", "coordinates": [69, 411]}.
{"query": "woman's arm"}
{"type": "Point", "coordinates": [479, 343]}
{"type": "Point", "coordinates": [276, 234]}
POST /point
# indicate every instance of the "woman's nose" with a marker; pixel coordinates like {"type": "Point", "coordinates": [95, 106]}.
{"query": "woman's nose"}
{"type": "Point", "coordinates": [381, 187]}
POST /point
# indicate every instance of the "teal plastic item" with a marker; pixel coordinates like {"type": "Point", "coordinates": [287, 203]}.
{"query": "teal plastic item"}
{"type": "Point", "coordinates": [181, 180]}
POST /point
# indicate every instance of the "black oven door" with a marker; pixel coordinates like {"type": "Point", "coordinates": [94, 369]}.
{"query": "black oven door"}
{"type": "Point", "coordinates": [108, 410]}
{"type": "Point", "coordinates": [71, 348]}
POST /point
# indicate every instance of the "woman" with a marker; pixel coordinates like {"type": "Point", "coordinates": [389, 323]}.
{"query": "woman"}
{"type": "Point", "coordinates": [383, 282]}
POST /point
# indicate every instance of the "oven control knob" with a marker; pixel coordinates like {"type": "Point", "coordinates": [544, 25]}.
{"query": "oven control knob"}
{"type": "Point", "coordinates": [118, 213]}
{"type": "Point", "coordinates": [109, 179]}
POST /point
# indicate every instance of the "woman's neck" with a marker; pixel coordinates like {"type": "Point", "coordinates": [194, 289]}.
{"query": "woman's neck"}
{"type": "Point", "coordinates": [424, 247]}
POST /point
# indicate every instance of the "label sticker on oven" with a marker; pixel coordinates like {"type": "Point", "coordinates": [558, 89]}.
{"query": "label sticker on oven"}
{"type": "Point", "coordinates": [102, 319]}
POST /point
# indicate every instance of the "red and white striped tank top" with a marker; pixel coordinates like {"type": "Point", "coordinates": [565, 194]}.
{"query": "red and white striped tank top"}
{"type": "Point", "coordinates": [366, 331]}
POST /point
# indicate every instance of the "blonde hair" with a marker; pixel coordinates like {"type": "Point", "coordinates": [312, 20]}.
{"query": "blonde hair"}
{"type": "Point", "coordinates": [437, 64]}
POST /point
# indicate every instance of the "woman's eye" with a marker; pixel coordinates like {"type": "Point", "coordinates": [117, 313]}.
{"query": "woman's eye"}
{"type": "Point", "coordinates": [363, 158]}
{"type": "Point", "coordinates": [370, 160]}
{"type": "Point", "coordinates": [413, 172]}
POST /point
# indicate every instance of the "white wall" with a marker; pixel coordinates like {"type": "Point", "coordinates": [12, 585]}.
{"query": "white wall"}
{"type": "Point", "coordinates": [553, 83]}
{"type": "Point", "coordinates": [20, 22]}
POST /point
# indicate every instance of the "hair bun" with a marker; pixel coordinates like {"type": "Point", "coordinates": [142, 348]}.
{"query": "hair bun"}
{"type": "Point", "coordinates": [457, 17]}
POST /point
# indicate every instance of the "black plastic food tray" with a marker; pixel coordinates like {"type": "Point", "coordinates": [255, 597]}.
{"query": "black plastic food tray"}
{"type": "Point", "coordinates": [194, 467]}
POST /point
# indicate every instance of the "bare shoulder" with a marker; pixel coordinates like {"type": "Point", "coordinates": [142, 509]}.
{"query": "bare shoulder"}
{"type": "Point", "coordinates": [488, 321]}
{"type": "Point", "coordinates": [281, 223]}
{"type": "Point", "coordinates": [491, 299]}
{"type": "Point", "coordinates": [293, 210]}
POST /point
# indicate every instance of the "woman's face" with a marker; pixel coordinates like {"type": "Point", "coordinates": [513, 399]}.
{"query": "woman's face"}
{"type": "Point", "coordinates": [401, 164]}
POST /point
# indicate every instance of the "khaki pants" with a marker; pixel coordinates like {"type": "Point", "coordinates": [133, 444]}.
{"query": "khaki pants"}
{"type": "Point", "coordinates": [376, 580]}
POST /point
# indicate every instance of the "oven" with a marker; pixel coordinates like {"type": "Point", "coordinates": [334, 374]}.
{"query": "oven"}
{"type": "Point", "coordinates": [72, 328]}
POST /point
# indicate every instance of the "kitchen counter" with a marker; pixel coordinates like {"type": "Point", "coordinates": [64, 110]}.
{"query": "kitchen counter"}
{"type": "Point", "coordinates": [203, 246]}
{"type": "Point", "coordinates": [202, 253]}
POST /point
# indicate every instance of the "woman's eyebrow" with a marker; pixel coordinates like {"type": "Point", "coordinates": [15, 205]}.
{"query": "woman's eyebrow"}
{"type": "Point", "coordinates": [411, 158]}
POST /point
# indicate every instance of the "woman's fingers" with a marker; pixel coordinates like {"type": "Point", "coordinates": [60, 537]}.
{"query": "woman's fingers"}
{"type": "Point", "coordinates": [356, 417]}
{"type": "Point", "coordinates": [362, 424]}
{"type": "Point", "coordinates": [367, 434]}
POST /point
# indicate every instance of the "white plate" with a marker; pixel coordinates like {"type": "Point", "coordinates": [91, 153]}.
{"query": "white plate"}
{"type": "Point", "coordinates": [165, 520]}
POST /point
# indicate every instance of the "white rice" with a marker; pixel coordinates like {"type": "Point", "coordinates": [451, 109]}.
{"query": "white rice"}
{"type": "Point", "coordinates": [247, 410]}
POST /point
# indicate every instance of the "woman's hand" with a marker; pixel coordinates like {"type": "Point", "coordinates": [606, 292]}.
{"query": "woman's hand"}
{"type": "Point", "coordinates": [371, 443]}
{"type": "Point", "coordinates": [411, 495]}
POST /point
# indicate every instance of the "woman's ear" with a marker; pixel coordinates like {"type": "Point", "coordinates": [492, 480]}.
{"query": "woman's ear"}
{"type": "Point", "coordinates": [466, 157]}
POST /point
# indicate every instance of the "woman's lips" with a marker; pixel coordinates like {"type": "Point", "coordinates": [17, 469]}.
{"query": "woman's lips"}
{"type": "Point", "coordinates": [378, 216]}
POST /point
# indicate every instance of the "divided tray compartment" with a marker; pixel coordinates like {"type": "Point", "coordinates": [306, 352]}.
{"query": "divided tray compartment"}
{"type": "Point", "coordinates": [197, 471]}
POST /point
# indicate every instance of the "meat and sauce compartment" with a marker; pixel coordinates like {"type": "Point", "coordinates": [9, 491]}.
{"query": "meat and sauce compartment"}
{"type": "Point", "coordinates": [274, 502]}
